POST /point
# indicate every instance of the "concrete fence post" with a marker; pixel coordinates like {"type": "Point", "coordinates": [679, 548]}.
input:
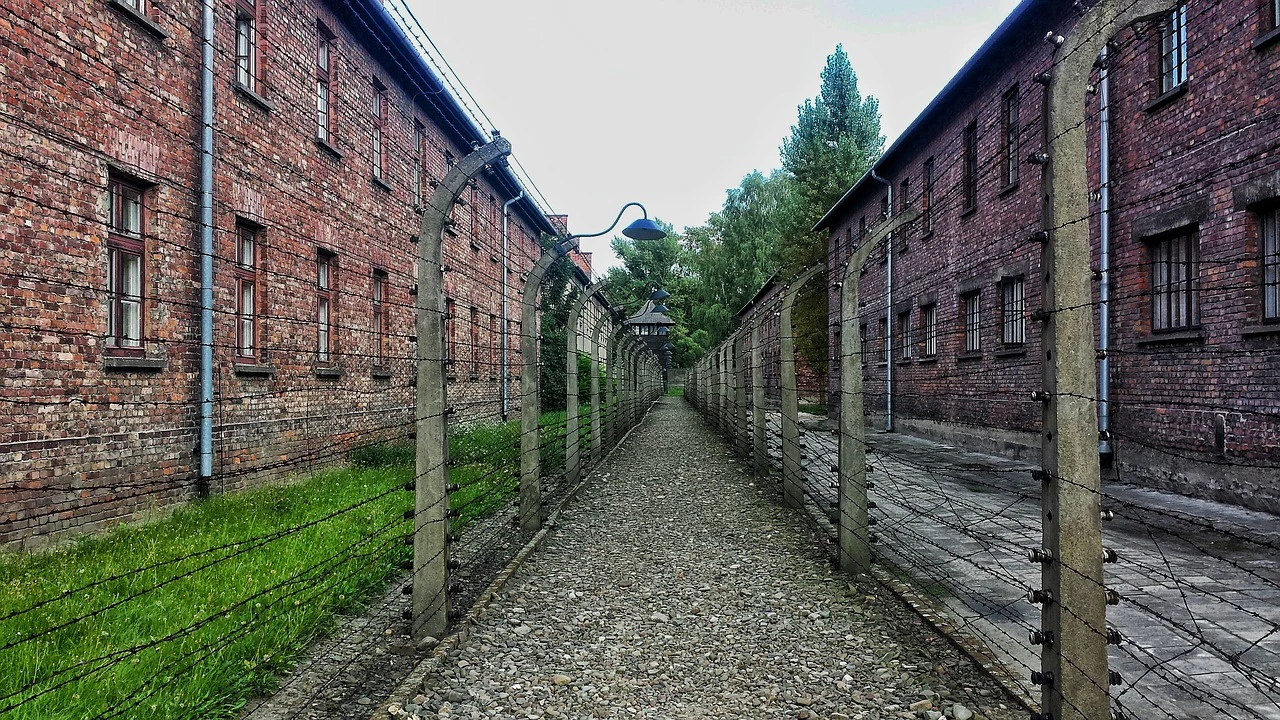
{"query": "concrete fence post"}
{"type": "Point", "coordinates": [759, 437]}
{"type": "Point", "coordinates": [793, 475]}
{"type": "Point", "coordinates": [596, 357]}
{"type": "Point", "coordinates": [1073, 601]}
{"type": "Point", "coordinates": [742, 376]}
{"type": "Point", "coordinates": [851, 520]}
{"type": "Point", "coordinates": [572, 436]}
{"type": "Point", "coordinates": [430, 613]}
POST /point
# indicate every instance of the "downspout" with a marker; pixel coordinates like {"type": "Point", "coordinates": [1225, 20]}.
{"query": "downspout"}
{"type": "Point", "coordinates": [206, 252]}
{"type": "Point", "coordinates": [888, 312]}
{"type": "Point", "coordinates": [506, 327]}
{"type": "Point", "coordinates": [1104, 290]}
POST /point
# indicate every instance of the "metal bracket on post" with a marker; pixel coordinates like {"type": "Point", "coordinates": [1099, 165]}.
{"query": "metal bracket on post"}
{"type": "Point", "coordinates": [531, 510]}
{"type": "Point", "coordinates": [572, 437]}
{"type": "Point", "coordinates": [851, 521]}
{"type": "Point", "coordinates": [1072, 531]}
{"type": "Point", "coordinates": [431, 479]}
{"type": "Point", "coordinates": [792, 468]}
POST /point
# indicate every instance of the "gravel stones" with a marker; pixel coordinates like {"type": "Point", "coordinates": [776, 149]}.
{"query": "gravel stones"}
{"type": "Point", "coordinates": [693, 594]}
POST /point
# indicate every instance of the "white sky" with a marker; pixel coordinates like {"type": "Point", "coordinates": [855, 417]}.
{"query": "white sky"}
{"type": "Point", "coordinates": [670, 102]}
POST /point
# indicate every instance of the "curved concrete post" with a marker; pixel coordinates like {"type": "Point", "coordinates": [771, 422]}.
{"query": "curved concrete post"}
{"type": "Point", "coordinates": [741, 432]}
{"type": "Point", "coordinates": [759, 438]}
{"type": "Point", "coordinates": [613, 377]}
{"type": "Point", "coordinates": [851, 520]}
{"type": "Point", "coordinates": [572, 436]}
{"type": "Point", "coordinates": [793, 475]}
{"type": "Point", "coordinates": [596, 357]}
{"type": "Point", "coordinates": [530, 440]}
{"type": "Point", "coordinates": [1072, 533]}
{"type": "Point", "coordinates": [431, 457]}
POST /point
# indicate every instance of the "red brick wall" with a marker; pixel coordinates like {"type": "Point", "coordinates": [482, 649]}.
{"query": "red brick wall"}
{"type": "Point", "coordinates": [1202, 149]}
{"type": "Point", "coordinates": [83, 446]}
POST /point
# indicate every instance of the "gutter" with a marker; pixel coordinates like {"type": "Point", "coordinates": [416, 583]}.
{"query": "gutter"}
{"type": "Point", "coordinates": [206, 249]}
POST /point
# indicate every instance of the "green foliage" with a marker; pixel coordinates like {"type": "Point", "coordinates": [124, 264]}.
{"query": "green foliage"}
{"type": "Point", "coordinates": [382, 455]}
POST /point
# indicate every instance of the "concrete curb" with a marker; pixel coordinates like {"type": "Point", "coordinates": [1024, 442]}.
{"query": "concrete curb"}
{"type": "Point", "coordinates": [411, 685]}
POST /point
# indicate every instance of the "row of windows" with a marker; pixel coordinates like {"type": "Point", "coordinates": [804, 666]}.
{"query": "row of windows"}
{"type": "Point", "coordinates": [1013, 325]}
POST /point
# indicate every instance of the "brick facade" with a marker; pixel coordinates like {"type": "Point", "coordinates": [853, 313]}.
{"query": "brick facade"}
{"type": "Point", "coordinates": [766, 305]}
{"type": "Point", "coordinates": [95, 92]}
{"type": "Point", "coordinates": [1193, 409]}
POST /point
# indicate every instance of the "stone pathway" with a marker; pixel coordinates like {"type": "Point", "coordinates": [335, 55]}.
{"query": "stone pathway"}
{"type": "Point", "coordinates": [676, 587]}
{"type": "Point", "coordinates": [1200, 581]}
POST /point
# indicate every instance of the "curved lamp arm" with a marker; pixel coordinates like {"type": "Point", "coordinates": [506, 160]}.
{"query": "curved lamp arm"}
{"type": "Point", "coordinates": [617, 220]}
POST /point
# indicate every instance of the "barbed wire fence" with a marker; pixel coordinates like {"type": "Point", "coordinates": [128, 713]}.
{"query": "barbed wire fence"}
{"type": "Point", "coordinates": [1188, 587]}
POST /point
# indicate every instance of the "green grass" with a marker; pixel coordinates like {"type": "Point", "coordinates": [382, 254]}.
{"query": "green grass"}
{"type": "Point", "coordinates": [812, 409]}
{"type": "Point", "coordinates": [190, 616]}
{"type": "Point", "coordinates": [677, 391]}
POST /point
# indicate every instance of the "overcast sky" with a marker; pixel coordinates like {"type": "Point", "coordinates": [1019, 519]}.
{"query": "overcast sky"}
{"type": "Point", "coordinates": [671, 102]}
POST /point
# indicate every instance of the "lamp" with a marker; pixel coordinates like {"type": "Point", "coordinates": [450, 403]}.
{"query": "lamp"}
{"type": "Point", "coordinates": [641, 229]}
{"type": "Point", "coordinates": [661, 309]}
{"type": "Point", "coordinates": [659, 295]}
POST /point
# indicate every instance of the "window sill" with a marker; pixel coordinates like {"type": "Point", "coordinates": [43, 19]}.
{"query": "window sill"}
{"type": "Point", "coordinates": [1260, 330]}
{"type": "Point", "coordinates": [1267, 40]}
{"type": "Point", "coordinates": [968, 211]}
{"type": "Point", "coordinates": [969, 356]}
{"type": "Point", "coordinates": [379, 182]}
{"type": "Point", "coordinates": [127, 363]}
{"type": "Point", "coordinates": [253, 97]}
{"type": "Point", "coordinates": [328, 373]}
{"type": "Point", "coordinates": [1007, 189]}
{"type": "Point", "coordinates": [1166, 98]}
{"type": "Point", "coordinates": [926, 235]}
{"type": "Point", "coordinates": [1170, 338]}
{"type": "Point", "coordinates": [1012, 352]}
{"type": "Point", "coordinates": [335, 152]}
{"type": "Point", "coordinates": [147, 23]}
{"type": "Point", "coordinates": [927, 360]}
{"type": "Point", "coordinates": [380, 373]}
{"type": "Point", "coordinates": [903, 362]}
{"type": "Point", "coordinates": [252, 369]}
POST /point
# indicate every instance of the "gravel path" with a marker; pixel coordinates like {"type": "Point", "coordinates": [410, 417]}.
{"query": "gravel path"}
{"type": "Point", "coordinates": [674, 587]}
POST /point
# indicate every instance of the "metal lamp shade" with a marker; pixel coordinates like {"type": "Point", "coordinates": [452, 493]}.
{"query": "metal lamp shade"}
{"type": "Point", "coordinates": [644, 229]}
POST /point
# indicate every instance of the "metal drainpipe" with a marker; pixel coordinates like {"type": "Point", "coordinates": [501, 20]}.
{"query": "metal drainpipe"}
{"type": "Point", "coordinates": [506, 328]}
{"type": "Point", "coordinates": [1104, 291]}
{"type": "Point", "coordinates": [206, 252]}
{"type": "Point", "coordinates": [888, 313]}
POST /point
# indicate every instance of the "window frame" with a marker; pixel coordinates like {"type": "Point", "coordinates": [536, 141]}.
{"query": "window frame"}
{"type": "Point", "coordinates": [903, 335]}
{"type": "Point", "coordinates": [1166, 295]}
{"type": "Point", "coordinates": [125, 239]}
{"type": "Point", "coordinates": [247, 274]}
{"type": "Point", "coordinates": [326, 305]}
{"type": "Point", "coordinates": [378, 148]}
{"type": "Point", "coordinates": [249, 57]}
{"type": "Point", "coordinates": [864, 343]}
{"type": "Point", "coordinates": [970, 180]}
{"type": "Point", "coordinates": [926, 195]}
{"type": "Point", "coordinates": [886, 342]}
{"type": "Point", "coordinates": [1009, 127]}
{"type": "Point", "coordinates": [1172, 50]}
{"type": "Point", "coordinates": [929, 324]}
{"type": "Point", "coordinates": [378, 295]}
{"type": "Point", "coordinates": [450, 352]}
{"type": "Point", "coordinates": [474, 365]}
{"type": "Point", "coordinates": [1269, 248]}
{"type": "Point", "coordinates": [326, 49]}
{"type": "Point", "coordinates": [1013, 311]}
{"type": "Point", "coordinates": [420, 159]}
{"type": "Point", "coordinates": [971, 322]}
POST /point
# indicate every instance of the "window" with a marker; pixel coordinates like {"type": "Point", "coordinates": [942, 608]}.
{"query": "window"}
{"type": "Point", "coordinates": [971, 166]}
{"type": "Point", "coordinates": [972, 305]}
{"type": "Point", "coordinates": [449, 351]}
{"type": "Point", "coordinates": [419, 145]}
{"type": "Point", "coordinates": [865, 343]}
{"type": "Point", "coordinates": [1173, 49]}
{"type": "Point", "coordinates": [929, 322]}
{"type": "Point", "coordinates": [1175, 285]}
{"type": "Point", "coordinates": [246, 281]}
{"type": "Point", "coordinates": [903, 332]}
{"type": "Point", "coordinates": [1275, 14]}
{"type": "Point", "coordinates": [324, 84]}
{"type": "Point", "coordinates": [1271, 263]}
{"type": "Point", "coordinates": [379, 317]}
{"type": "Point", "coordinates": [475, 342]}
{"type": "Point", "coordinates": [886, 348]}
{"type": "Point", "coordinates": [139, 5]}
{"type": "Point", "coordinates": [474, 217]}
{"type": "Point", "coordinates": [926, 198]}
{"type": "Point", "coordinates": [1014, 309]}
{"type": "Point", "coordinates": [493, 344]}
{"type": "Point", "coordinates": [847, 250]}
{"type": "Point", "coordinates": [125, 248]}
{"type": "Point", "coordinates": [1009, 135]}
{"type": "Point", "coordinates": [379, 109]}
{"type": "Point", "coordinates": [326, 310]}
{"type": "Point", "coordinates": [247, 43]}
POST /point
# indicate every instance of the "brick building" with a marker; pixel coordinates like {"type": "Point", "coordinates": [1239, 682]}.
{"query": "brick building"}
{"type": "Point", "coordinates": [328, 130]}
{"type": "Point", "coordinates": [766, 305]}
{"type": "Point", "coordinates": [1192, 101]}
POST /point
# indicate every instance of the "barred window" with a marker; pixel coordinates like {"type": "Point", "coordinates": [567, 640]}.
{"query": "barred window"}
{"type": "Point", "coordinates": [326, 310]}
{"type": "Point", "coordinates": [1175, 284]}
{"type": "Point", "coordinates": [1014, 311]}
{"type": "Point", "coordinates": [903, 333]}
{"type": "Point", "coordinates": [324, 84]}
{"type": "Point", "coordinates": [379, 317]}
{"type": "Point", "coordinates": [1009, 135]}
{"type": "Point", "coordinates": [970, 166]}
{"type": "Point", "coordinates": [926, 197]}
{"type": "Point", "coordinates": [247, 43]}
{"type": "Point", "coordinates": [972, 303]}
{"type": "Point", "coordinates": [246, 281]}
{"type": "Point", "coordinates": [929, 323]}
{"type": "Point", "coordinates": [379, 111]}
{"type": "Point", "coordinates": [1173, 49]}
{"type": "Point", "coordinates": [125, 249]}
{"type": "Point", "coordinates": [1270, 237]}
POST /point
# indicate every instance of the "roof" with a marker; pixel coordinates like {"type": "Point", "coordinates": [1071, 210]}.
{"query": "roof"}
{"type": "Point", "coordinates": [956, 90]}
{"type": "Point", "coordinates": [382, 36]}
{"type": "Point", "coordinates": [647, 316]}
